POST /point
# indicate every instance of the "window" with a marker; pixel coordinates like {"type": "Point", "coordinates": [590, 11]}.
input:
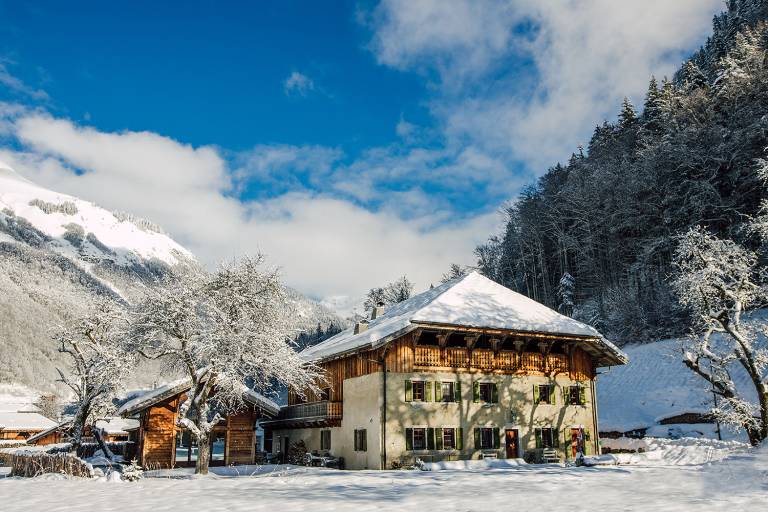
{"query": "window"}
{"type": "Point", "coordinates": [418, 390]}
{"type": "Point", "coordinates": [325, 439]}
{"type": "Point", "coordinates": [361, 440]}
{"type": "Point", "coordinates": [544, 394]}
{"type": "Point", "coordinates": [486, 438]}
{"type": "Point", "coordinates": [419, 439]}
{"type": "Point", "coordinates": [218, 444]}
{"type": "Point", "coordinates": [546, 438]}
{"type": "Point", "coordinates": [575, 395]}
{"type": "Point", "coordinates": [186, 447]}
{"type": "Point", "coordinates": [325, 394]}
{"type": "Point", "coordinates": [447, 392]}
{"type": "Point", "coordinates": [449, 439]}
{"type": "Point", "coordinates": [486, 392]}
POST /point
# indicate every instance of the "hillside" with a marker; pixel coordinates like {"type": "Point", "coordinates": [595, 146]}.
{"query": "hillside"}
{"type": "Point", "coordinates": [57, 252]}
{"type": "Point", "coordinates": [594, 236]}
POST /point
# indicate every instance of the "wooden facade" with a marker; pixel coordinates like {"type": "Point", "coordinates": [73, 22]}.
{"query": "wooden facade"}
{"type": "Point", "coordinates": [428, 351]}
{"type": "Point", "coordinates": [156, 437]}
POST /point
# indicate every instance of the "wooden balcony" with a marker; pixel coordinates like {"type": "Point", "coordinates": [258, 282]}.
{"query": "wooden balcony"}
{"type": "Point", "coordinates": [310, 414]}
{"type": "Point", "coordinates": [505, 361]}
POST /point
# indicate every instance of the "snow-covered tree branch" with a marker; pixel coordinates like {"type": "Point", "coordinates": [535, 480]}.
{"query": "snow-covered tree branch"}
{"type": "Point", "coordinates": [98, 362]}
{"type": "Point", "coordinates": [226, 331]}
{"type": "Point", "coordinates": [720, 281]}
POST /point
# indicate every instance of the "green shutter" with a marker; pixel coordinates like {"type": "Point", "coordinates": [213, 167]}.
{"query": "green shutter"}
{"type": "Point", "coordinates": [496, 437]}
{"type": "Point", "coordinates": [538, 438]}
{"type": "Point", "coordinates": [430, 439]}
{"type": "Point", "coordinates": [457, 391]}
{"type": "Point", "coordinates": [587, 440]}
{"type": "Point", "coordinates": [495, 393]}
{"type": "Point", "coordinates": [438, 439]}
{"type": "Point", "coordinates": [409, 439]}
{"type": "Point", "coordinates": [567, 443]}
{"type": "Point", "coordinates": [427, 391]}
{"type": "Point", "coordinates": [365, 440]}
{"type": "Point", "coordinates": [535, 394]}
{"type": "Point", "coordinates": [459, 438]}
{"type": "Point", "coordinates": [475, 391]}
{"type": "Point", "coordinates": [555, 438]}
{"type": "Point", "coordinates": [582, 395]}
{"type": "Point", "coordinates": [552, 394]}
{"type": "Point", "coordinates": [408, 391]}
{"type": "Point", "coordinates": [566, 395]}
{"type": "Point", "coordinates": [477, 438]}
{"type": "Point", "coordinates": [438, 391]}
{"type": "Point", "coordinates": [357, 447]}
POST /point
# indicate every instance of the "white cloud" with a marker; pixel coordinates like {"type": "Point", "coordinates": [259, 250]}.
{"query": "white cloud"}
{"type": "Point", "coordinates": [15, 84]}
{"type": "Point", "coordinates": [326, 246]}
{"type": "Point", "coordinates": [298, 84]}
{"type": "Point", "coordinates": [578, 58]}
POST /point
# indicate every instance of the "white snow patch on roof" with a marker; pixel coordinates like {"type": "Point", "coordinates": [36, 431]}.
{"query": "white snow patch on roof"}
{"type": "Point", "coordinates": [116, 425]}
{"type": "Point", "coordinates": [18, 421]}
{"type": "Point", "coordinates": [473, 301]}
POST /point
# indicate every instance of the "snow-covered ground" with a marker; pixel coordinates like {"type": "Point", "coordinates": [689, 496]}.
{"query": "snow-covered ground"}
{"type": "Point", "coordinates": [739, 482]}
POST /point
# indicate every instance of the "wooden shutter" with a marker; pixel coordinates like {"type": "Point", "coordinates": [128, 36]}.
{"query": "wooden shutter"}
{"type": "Point", "coordinates": [582, 395]}
{"type": "Point", "coordinates": [566, 395]}
{"type": "Point", "coordinates": [408, 391]}
{"type": "Point", "coordinates": [438, 439]}
{"type": "Point", "coordinates": [427, 391]}
{"type": "Point", "coordinates": [459, 438]}
{"type": "Point", "coordinates": [587, 440]}
{"type": "Point", "coordinates": [364, 440]}
{"type": "Point", "coordinates": [477, 438]}
{"type": "Point", "coordinates": [555, 438]}
{"type": "Point", "coordinates": [494, 393]}
{"type": "Point", "coordinates": [535, 394]}
{"type": "Point", "coordinates": [430, 439]}
{"type": "Point", "coordinates": [538, 438]}
{"type": "Point", "coordinates": [457, 391]}
{"type": "Point", "coordinates": [496, 438]}
{"type": "Point", "coordinates": [409, 439]}
{"type": "Point", "coordinates": [552, 394]}
{"type": "Point", "coordinates": [438, 391]}
{"type": "Point", "coordinates": [475, 391]}
{"type": "Point", "coordinates": [357, 436]}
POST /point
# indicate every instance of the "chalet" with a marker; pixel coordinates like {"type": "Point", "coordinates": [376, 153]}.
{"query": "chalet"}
{"type": "Point", "coordinates": [21, 425]}
{"type": "Point", "coordinates": [466, 370]}
{"type": "Point", "coordinates": [160, 443]}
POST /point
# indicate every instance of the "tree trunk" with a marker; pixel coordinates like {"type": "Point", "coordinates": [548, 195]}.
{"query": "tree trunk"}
{"type": "Point", "coordinates": [203, 455]}
{"type": "Point", "coordinates": [78, 426]}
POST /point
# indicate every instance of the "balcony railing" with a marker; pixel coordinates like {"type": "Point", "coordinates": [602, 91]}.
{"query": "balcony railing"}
{"type": "Point", "coordinates": [329, 410]}
{"type": "Point", "coordinates": [483, 359]}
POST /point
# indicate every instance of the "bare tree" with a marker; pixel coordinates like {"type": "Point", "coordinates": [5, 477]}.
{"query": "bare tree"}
{"type": "Point", "coordinates": [720, 281]}
{"type": "Point", "coordinates": [98, 362]}
{"type": "Point", "coordinates": [226, 331]}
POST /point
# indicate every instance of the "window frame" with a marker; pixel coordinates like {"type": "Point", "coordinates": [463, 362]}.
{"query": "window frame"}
{"type": "Point", "coordinates": [361, 440]}
{"type": "Point", "coordinates": [451, 395]}
{"type": "Point", "coordinates": [545, 398]}
{"type": "Point", "coordinates": [489, 431]}
{"type": "Point", "coordinates": [423, 433]}
{"type": "Point", "coordinates": [325, 440]}
{"type": "Point", "coordinates": [422, 386]}
{"type": "Point", "coordinates": [445, 433]}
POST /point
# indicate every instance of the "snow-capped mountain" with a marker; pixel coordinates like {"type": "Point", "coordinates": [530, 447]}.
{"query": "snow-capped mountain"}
{"type": "Point", "coordinates": [57, 251]}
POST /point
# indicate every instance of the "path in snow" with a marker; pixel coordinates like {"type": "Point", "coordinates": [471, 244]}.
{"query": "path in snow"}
{"type": "Point", "coordinates": [737, 483]}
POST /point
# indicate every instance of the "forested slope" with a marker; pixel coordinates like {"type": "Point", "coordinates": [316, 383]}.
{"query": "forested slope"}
{"type": "Point", "coordinates": [607, 220]}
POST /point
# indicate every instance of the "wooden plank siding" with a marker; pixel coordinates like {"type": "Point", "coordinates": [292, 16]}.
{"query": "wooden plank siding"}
{"type": "Point", "coordinates": [157, 435]}
{"type": "Point", "coordinates": [404, 355]}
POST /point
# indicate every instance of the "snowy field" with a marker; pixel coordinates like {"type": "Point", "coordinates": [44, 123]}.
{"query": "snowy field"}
{"type": "Point", "coordinates": [737, 483]}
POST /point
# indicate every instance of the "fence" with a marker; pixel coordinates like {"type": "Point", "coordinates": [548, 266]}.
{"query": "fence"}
{"type": "Point", "coordinates": [30, 464]}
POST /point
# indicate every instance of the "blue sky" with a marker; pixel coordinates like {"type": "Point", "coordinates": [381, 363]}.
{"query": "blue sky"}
{"type": "Point", "coordinates": [353, 142]}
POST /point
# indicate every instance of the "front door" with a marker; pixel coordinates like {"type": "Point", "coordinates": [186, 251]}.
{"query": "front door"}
{"type": "Point", "coordinates": [511, 437]}
{"type": "Point", "coordinates": [576, 440]}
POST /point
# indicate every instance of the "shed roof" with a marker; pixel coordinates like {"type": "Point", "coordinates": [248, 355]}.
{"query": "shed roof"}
{"type": "Point", "coordinates": [177, 387]}
{"type": "Point", "coordinates": [469, 301]}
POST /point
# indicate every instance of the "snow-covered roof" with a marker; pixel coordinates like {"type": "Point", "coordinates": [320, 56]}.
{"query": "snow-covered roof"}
{"type": "Point", "coordinates": [24, 421]}
{"type": "Point", "coordinates": [149, 398]}
{"type": "Point", "coordinates": [656, 385]}
{"type": "Point", "coordinates": [116, 425]}
{"type": "Point", "coordinates": [469, 301]}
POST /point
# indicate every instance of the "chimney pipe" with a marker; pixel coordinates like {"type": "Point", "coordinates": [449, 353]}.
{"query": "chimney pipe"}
{"type": "Point", "coordinates": [361, 327]}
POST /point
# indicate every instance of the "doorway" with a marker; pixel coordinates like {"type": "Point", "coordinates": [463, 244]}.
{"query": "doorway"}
{"type": "Point", "coordinates": [577, 441]}
{"type": "Point", "coordinates": [512, 441]}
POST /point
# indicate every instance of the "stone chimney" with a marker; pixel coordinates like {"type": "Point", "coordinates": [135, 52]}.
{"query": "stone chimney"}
{"type": "Point", "coordinates": [361, 327]}
{"type": "Point", "coordinates": [377, 311]}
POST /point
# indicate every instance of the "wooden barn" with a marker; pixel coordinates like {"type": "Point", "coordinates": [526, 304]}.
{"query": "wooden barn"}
{"type": "Point", "coordinates": [21, 425]}
{"type": "Point", "coordinates": [161, 443]}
